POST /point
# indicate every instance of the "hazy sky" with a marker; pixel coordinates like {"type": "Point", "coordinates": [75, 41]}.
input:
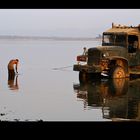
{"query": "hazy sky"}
{"type": "Point", "coordinates": [64, 22]}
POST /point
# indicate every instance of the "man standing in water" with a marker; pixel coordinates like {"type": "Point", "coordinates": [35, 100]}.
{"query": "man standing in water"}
{"type": "Point", "coordinates": [12, 68]}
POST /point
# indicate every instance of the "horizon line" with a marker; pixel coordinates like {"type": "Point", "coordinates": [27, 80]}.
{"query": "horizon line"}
{"type": "Point", "coordinates": [47, 37]}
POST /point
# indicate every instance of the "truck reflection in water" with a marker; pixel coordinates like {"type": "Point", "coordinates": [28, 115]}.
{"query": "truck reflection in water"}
{"type": "Point", "coordinates": [118, 98]}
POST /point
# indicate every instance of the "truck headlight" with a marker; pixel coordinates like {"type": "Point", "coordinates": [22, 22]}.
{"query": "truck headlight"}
{"type": "Point", "coordinates": [106, 54]}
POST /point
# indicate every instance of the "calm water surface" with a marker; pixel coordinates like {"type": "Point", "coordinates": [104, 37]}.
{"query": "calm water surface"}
{"type": "Point", "coordinates": [48, 89]}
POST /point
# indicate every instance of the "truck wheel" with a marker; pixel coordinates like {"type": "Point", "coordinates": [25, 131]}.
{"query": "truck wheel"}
{"type": "Point", "coordinates": [118, 86]}
{"type": "Point", "coordinates": [117, 72]}
{"type": "Point", "coordinates": [82, 76]}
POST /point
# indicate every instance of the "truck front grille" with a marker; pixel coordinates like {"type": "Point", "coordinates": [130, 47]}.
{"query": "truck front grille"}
{"type": "Point", "coordinates": [94, 56]}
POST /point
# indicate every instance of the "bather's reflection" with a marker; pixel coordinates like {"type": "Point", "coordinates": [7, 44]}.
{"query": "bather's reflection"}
{"type": "Point", "coordinates": [117, 98]}
{"type": "Point", "coordinates": [13, 82]}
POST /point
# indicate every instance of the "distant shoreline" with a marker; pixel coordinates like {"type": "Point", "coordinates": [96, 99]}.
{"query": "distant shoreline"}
{"type": "Point", "coordinates": [51, 38]}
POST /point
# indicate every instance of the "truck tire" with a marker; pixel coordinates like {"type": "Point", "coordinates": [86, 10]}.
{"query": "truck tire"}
{"type": "Point", "coordinates": [118, 87]}
{"type": "Point", "coordinates": [117, 72]}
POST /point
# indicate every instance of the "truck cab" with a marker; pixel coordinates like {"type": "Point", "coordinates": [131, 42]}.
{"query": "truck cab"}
{"type": "Point", "coordinates": [117, 57]}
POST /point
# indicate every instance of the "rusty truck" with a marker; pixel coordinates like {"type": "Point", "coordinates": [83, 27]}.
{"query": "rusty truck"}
{"type": "Point", "coordinates": [117, 57]}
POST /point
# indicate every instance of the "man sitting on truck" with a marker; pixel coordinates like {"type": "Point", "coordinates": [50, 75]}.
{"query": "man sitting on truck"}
{"type": "Point", "coordinates": [136, 44]}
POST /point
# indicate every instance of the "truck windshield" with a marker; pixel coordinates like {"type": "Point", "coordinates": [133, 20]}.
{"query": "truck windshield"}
{"type": "Point", "coordinates": [114, 40]}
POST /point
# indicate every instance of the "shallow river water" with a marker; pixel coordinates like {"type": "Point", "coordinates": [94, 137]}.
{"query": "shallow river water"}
{"type": "Point", "coordinates": [48, 89]}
